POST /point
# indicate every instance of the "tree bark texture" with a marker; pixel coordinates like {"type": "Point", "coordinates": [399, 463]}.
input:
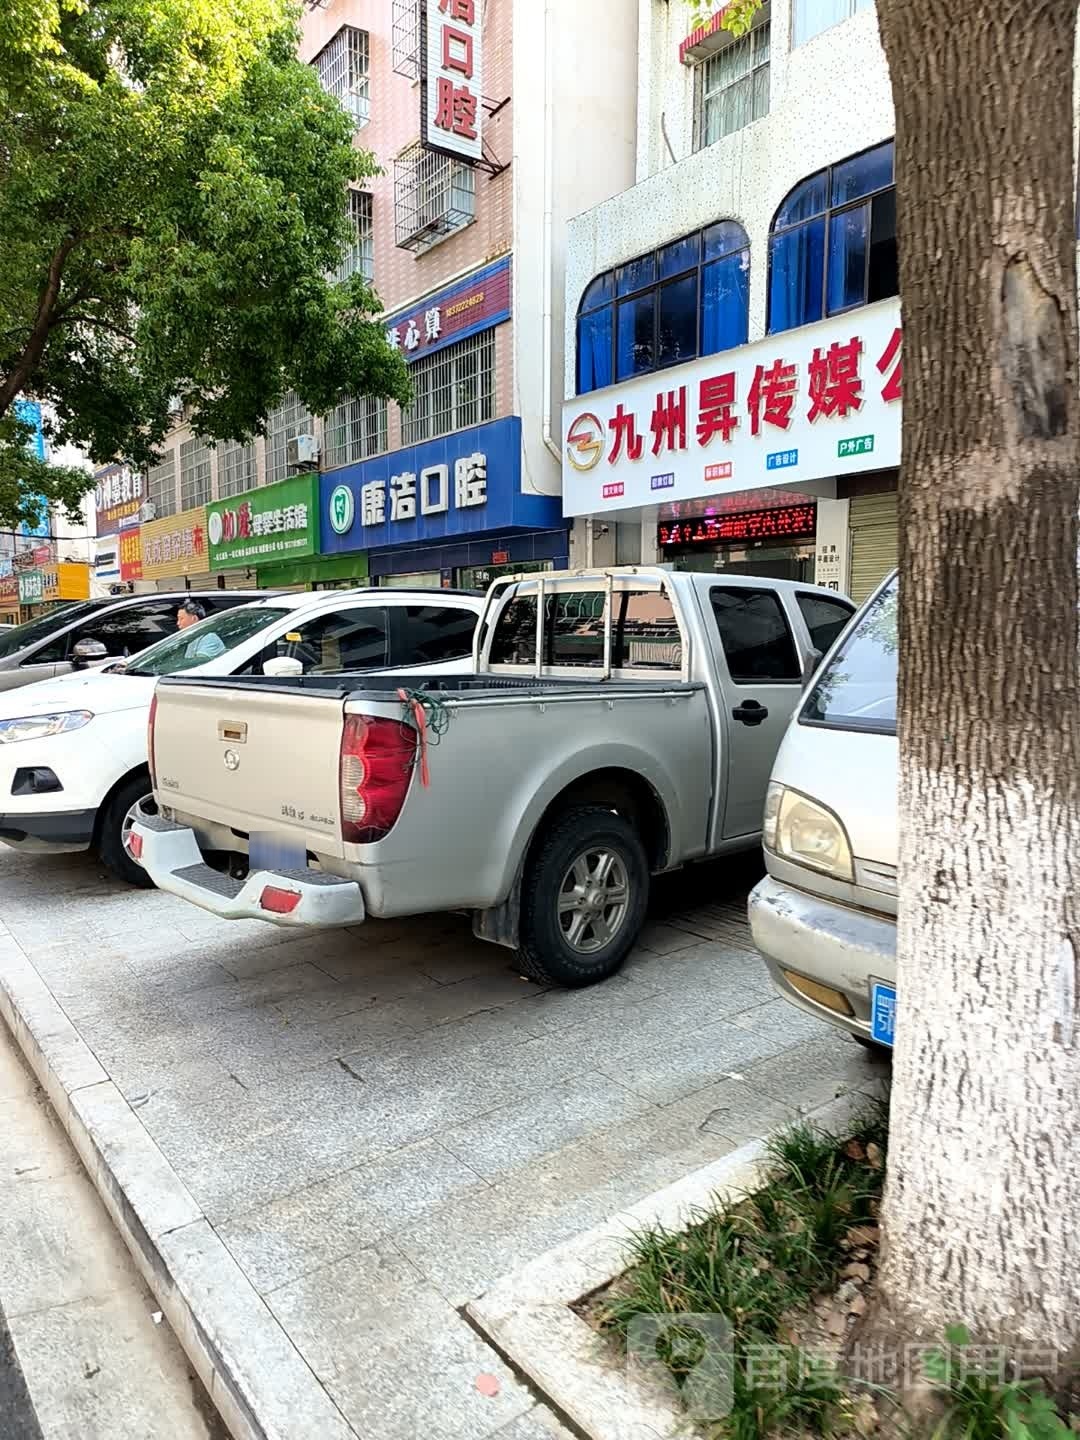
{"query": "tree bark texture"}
{"type": "Point", "coordinates": [982, 1209]}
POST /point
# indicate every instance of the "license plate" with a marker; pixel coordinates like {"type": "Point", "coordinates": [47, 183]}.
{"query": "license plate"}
{"type": "Point", "coordinates": [882, 1013]}
{"type": "Point", "coordinates": [275, 852]}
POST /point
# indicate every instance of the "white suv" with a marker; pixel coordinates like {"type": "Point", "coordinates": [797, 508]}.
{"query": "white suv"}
{"type": "Point", "coordinates": [73, 763]}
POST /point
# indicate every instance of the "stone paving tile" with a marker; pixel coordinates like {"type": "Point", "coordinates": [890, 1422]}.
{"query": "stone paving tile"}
{"type": "Point", "coordinates": [326, 1222]}
{"type": "Point", "coordinates": [510, 1137]}
{"type": "Point", "coordinates": [393, 1354]}
{"type": "Point", "coordinates": [397, 1091]}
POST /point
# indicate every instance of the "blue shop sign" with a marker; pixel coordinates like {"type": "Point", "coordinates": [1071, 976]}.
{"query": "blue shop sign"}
{"type": "Point", "coordinates": [462, 484]}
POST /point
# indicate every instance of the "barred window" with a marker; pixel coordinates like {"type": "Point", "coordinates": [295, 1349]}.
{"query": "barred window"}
{"type": "Point", "coordinates": [434, 196]}
{"type": "Point", "coordinates": [733, 87]}
{"type": "Point", "coordinates": [359, 258]}
{"type": "Point", "coordinates": [161, 485]}
{"type": "Point", "coordinates": [236, 469]}
{"type": "Point", "coordinates": [354, 431]}
{"type": "Point", "coordinates": [194, 474]}
{"type": "Point", "coordinates": [405, 33]}
{"type": "Point", "coordinates": [282, 425]}
{"type": "Point", "coordinates": [342, 68]}
{"type": "Point", "coordinates": [452, 390]}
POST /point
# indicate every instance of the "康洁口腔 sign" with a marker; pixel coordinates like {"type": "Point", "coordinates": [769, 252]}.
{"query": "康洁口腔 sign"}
{"type": "Point", "coordinates": [813, 402]}
{"type": "Point", "coordinates": [278, 522]}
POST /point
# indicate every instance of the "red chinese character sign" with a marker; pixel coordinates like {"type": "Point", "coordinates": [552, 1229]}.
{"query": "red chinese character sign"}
{"type": "Point", "coordinates": [452, 85]}
{"type": "Point", "coordinates": [808, 404]}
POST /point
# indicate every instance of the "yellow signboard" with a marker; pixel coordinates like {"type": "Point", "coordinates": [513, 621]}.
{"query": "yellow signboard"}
{"type": "Point", "coordinates": [175, 545]}
{"type": "Point", "coordinates": [65, 582]}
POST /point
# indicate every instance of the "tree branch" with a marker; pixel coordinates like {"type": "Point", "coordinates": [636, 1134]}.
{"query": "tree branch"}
{"type": "Point", "coordinates": [13, 382]}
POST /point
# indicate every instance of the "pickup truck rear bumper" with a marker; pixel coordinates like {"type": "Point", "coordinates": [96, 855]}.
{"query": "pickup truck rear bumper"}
{"type": "Point", "coordinates": [300, 899]}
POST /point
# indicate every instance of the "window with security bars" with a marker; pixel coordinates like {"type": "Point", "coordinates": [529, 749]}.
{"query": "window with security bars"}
{"type": "Point", "coordinates": [434, 196]}
{"type": "Point", "coordinates": [161, 485]}
{"type": "Point", "coordinates": [359, 258]}
{"type": "Point", "coordinates": [194, 474]}
{"type": "Point", "coordinates": [733, 87]}
{"type": "Point", "coordinates": [451, 390]}
{"type": "Point", "coordinates": [354, 430]}
{"type": "Point", "coordinates": [342, 68]}
{"type": "Point", "coordinates": [235, 469]}
{"type": "Point", "coordinates": [290, 419]}
{"type": "Point", "coordinates": [405, 38]}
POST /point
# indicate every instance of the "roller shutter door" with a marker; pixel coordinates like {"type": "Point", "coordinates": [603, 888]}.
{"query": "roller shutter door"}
{"type": "Point", "coordinates": [872, 520]}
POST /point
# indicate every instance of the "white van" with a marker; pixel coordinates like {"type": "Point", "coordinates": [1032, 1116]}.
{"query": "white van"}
{"type": "Point", "coordinates": [825, 915]}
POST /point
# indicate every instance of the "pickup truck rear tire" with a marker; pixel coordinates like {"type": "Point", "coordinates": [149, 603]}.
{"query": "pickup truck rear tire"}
{"type": "Point", "coordinates": [114, 827]}
{"type": "Point", "coordinates": [583, 898]}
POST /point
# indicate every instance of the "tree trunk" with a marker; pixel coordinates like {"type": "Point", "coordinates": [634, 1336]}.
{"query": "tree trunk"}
{"type": "Point", "coordinates": [982, 1210]}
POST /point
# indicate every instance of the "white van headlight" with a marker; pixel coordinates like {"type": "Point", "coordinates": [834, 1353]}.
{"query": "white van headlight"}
{"type": "Point", "coordinates": [799, 829]}
{"type": "Point", "coordinates": [37, 727]}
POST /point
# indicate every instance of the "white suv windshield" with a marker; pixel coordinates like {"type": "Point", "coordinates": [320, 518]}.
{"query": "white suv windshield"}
{"type": "Point", "coordinates": [205, 641]}
{"type": "Point", "coordinates": [857, 689]}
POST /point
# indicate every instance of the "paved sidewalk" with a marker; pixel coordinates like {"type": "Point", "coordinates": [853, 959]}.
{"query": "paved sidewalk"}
{"type": "Point", "coordinates": [377, 1124]}
{"type": "Point", "coordinates": [81, 1354]}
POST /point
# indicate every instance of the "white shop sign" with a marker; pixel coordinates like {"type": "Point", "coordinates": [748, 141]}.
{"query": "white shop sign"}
{"type": "Point", "coordinates": [819, 401]}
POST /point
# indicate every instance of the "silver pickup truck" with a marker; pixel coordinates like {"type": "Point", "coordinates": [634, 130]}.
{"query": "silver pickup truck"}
{"type": "Point", "coordinates": [618, 724]}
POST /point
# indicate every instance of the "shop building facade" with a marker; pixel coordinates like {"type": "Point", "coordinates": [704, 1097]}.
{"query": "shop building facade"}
{"type": "Point", "coordinates": [484, 155]}
{"type": "Point", "coordinates": [733, 363]}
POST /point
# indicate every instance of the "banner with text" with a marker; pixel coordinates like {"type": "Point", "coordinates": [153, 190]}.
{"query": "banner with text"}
{"type": "Point", "coordinates": [277, 522]}
{"type": "Point", "coordinates": [819, 401]}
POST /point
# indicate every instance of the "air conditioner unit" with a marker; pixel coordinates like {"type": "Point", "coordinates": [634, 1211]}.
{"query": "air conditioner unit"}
{"type": "Point", "coordinates": [301, 450]}
{"type": "Point", "coordinates": [147, 511]}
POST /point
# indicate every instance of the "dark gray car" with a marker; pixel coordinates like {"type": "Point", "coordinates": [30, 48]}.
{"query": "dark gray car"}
{"type": "Point", "coordinates": [92, 632]}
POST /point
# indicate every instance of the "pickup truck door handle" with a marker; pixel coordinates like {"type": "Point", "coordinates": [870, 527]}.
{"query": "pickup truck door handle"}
{"type": "Point", "coordinates": [750, 713]}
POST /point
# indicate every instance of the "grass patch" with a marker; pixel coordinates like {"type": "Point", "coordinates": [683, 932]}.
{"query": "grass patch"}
{"type": "Point", "coordinates": [761, 1264]}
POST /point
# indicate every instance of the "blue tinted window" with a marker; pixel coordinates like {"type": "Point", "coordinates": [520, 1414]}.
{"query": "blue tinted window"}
{"type": "Point", "coordinates": [635, 275]}
{"type": "Point", "coordinates": [599, 291]}
{"type": "Point", "coordinates": [636, 340]}
{"type": "Point", "coordinates": [594, 350]}
{"type": "Point", "coordinates": [725, 303]}
{"type": "Point", "coordinates": [724, 238]}
{"type": "Point", "coordinates": [844, 257]}
{"type": "Point", "coordinates": [678, 320]}
{"type": "Point", "coordinates": [848, 232]}
{"type": "Point", "coordinates": [805, 201]}
{"type": "Point", "coordinates": [796, 275]}
{"type": "Point", "coordinates": [687, 298]}
{"type": "Point", "coordinates": [862, 174]}
{"type": "Point", "coordinates": [683, 255]}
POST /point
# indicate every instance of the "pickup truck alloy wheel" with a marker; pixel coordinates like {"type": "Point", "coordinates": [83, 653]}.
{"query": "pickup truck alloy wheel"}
{"type": "Point", "coordinates": [593, 900]}
{"type": "Point", "coordinates": [584, 893]}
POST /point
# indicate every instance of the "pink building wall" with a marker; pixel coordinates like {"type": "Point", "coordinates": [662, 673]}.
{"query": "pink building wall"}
{"type": "Point", "coordinates": [401, 277]}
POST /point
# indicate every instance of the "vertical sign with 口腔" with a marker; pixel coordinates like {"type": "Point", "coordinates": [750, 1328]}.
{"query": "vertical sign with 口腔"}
{"type": "Point", "coordinates": [452, 84]}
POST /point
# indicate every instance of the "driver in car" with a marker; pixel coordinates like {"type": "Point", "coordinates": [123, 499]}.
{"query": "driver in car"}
{"type": "Point", "coordinates": [206, 647]}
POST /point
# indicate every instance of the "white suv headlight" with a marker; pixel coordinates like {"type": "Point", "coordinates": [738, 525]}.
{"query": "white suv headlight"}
{"type": "Point", "coordinates": [799, 829]}
{"type": "Point", "coordinates": [37, 727]}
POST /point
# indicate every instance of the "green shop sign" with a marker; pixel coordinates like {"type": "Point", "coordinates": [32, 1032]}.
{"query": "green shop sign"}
{"type": "Point", "coordinates": [278, 522]}
{"type": "Point", "coordinates": [31, 587]}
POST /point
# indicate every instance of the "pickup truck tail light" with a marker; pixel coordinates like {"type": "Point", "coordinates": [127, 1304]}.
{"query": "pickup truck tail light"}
{"type": "Point", "coordinates": [150, 739]}
{"type": "Point", "coordinates": [377, 759]}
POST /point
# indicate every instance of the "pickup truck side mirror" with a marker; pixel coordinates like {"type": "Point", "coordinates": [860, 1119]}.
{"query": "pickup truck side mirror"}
{"type": "Point", "coordinates": [88, 652]}
{"type": "Point", "coordinates": [283, 666]}
{"type": "Point", "coordinates": [810, 664]}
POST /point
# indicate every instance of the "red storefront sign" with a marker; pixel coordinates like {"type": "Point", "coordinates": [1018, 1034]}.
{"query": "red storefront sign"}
{"type": "Point", "coordinates": [131, 555]}
{"type": "Point", "coordinates": [464, 309]}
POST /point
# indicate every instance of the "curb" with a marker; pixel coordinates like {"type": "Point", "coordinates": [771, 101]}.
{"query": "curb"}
{"type": "Point", "coordinates": [257, 1379]}
{"type": "Point", "coordinates": [527, 1316]}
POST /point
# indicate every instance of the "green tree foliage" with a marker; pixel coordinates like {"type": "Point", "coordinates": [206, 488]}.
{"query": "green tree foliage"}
{"type": "Point", "coordinates": [172, 199]}
{"type": "Point", "coordinates": [738, 14]}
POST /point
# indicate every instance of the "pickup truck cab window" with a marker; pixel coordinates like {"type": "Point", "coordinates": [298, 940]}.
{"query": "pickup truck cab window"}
{"type": "Point", "coordinates": [644, 631]}
{"type": "Point", "coordinates": [755, 634]}
{"type": "Point", "coordinates": [195, 646]}
{"type": "Point", "coordinates": [825, 619]}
